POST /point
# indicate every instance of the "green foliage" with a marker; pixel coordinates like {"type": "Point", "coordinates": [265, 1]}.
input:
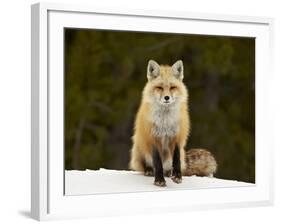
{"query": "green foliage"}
{"type": "Point", "coordinates": [105, 72]}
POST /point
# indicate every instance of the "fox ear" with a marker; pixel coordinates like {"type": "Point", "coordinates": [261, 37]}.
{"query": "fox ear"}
{"type": "Point", "coordinates": [177, 69]}
{"type": "Point", "coordinates": [153, 70]}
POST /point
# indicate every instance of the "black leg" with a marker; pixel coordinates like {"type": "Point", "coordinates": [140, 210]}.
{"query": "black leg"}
{"type": "Point", "coordinates": [157, 163]}
{"type": "Point", "coordinates": [176, 166]}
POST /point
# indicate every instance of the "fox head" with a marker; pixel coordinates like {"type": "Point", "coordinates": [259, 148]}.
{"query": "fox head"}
{"type": "Point", "coordinates": [165, 84]}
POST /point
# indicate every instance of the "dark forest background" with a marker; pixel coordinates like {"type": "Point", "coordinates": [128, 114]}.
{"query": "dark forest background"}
{"type": "Point", "coordinates": [105, 72]}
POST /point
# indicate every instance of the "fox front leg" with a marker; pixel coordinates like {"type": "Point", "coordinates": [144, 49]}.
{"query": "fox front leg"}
{"type": "Point", "coordinates": [158, 168]}
{"type": "Point", "coordinates": [176, 176]}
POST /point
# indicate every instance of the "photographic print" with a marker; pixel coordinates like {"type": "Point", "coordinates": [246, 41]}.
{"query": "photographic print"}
{"type": "Point", "coordinates": [147, 111]}
{"type": "Point", "coordinates": [133, 110]}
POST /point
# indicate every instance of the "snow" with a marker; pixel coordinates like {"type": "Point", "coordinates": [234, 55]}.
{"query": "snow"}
{"type": "Point", "coordinates": [120, 181]}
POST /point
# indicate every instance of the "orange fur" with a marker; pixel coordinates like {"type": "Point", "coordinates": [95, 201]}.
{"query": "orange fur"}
{"type": "Point", "coordinates": [166, 83]}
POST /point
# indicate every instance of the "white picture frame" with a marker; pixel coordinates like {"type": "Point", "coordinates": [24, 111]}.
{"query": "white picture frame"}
{"type": "Point", "coordinates": [47, 169]}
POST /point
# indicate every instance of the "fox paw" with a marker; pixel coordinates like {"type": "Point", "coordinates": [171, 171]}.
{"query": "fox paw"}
{"type": "Point", "coordinates": [148, 172]}
{"type": "Point", "coordinates": [160, 183]}
{"type": "Point", "coordinates": [177, 179]}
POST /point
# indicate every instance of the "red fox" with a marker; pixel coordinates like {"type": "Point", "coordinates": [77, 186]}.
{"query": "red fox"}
{"type": "Point", "coordinates": [162, 127]}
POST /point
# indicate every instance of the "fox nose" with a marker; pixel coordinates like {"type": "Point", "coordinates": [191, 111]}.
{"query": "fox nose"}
{"type": "Point", "coordinates": [166, 98]}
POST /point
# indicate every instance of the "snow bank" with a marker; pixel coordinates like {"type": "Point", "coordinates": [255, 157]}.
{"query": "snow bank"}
{"type": "Point", "coordinates": [116, 181]}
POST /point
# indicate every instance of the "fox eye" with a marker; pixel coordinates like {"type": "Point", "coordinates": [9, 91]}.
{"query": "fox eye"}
{"type": "Point", "coordinates": [159, 87]}
{"type": "Point", "coordinates": [172, 87]}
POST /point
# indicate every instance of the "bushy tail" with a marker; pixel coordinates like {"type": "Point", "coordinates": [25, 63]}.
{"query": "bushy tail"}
{"type": "Point", "coordinates": [200, 162]}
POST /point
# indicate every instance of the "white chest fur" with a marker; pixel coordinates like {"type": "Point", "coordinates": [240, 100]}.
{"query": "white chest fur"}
{"type": "Point", "coordinates": [165, 120]}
